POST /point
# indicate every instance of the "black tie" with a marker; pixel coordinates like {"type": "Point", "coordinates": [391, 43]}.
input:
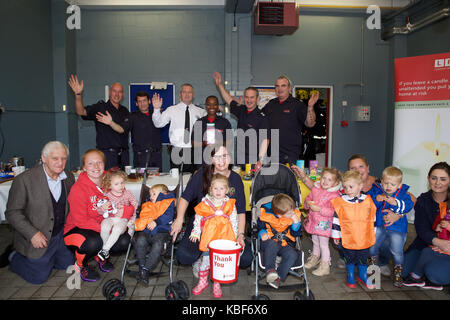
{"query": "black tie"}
{"type": "Point", "coordinates": [187, 136]}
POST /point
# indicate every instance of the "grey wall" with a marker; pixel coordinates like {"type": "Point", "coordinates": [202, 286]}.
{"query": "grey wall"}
{"type": "Point", "coordinates": [327, 50]}
{"type": "Point", "coordinates": [26, 81]}
{"type": "Point", "coordinates": [144, 46]}
{"type": "Point", "coordinates": [430, 40]}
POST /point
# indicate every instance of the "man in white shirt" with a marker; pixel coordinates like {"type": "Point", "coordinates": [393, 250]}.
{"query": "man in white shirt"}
{"type": "Point", "coordinates": [181, 118]}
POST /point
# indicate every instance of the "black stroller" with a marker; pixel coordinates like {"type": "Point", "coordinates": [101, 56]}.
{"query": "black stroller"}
{"type": "Point", "coordinates": [269, 181]}
{"type": "Point", "coordinates": [115, 289]}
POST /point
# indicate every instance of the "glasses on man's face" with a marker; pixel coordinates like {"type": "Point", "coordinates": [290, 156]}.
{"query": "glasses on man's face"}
{"type": "Point", "coordinates": [220, 156]}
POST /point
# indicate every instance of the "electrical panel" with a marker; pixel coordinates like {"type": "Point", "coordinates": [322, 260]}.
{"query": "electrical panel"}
{"type": "Point", "coordinates": [362, 113]}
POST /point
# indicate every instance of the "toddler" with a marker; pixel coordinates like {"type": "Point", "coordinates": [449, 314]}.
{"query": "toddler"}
{"type": "Point", "coordinates": [115, 224]}
{"type": "Point", "coordinates": [392, 195]}
{"type": "Point", "coordinates": [153, 226]}
{"type": "Point", "coordinates": [277, 231]}
{"type": "Point", "coordinates": [215, 218]}
{"type": "Point", "coordinates": [320, 219]}
{"type": "Point", "coordinates": [353, 227]}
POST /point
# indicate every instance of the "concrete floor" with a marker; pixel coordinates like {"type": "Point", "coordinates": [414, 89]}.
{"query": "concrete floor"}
{"type": "Point", "coordinates": [331, 287]}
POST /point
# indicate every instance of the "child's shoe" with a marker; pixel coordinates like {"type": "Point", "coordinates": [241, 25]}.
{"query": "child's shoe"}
{"type": "Point", "coordinates": [217, 290]}
{"type": "Point", "coordinates": [323, 269]}
{"type": "Point", "coordinates": [372, 261]}
{"type": "Point", "coordinates": [103, 254]}
{"type": "Point", "coordinates": [398, 280]}
{"type": "Point", "coordinates": [413, 281]}
{"type": "Point", "coordinates": [144, 275]}
{"type": "Point", "coordinates": [350, 276]}
{"type": "Point", "coordinates": [362, 277]}
{"type": "Point", "coordinates": [202, 282]}
{"type": "Point", "coordinates": [272, 278]}
{"type": "Point", "coordinates": [312, 261]}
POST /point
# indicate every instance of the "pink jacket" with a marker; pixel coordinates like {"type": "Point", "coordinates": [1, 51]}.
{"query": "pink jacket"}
{"type": "Point", "coordinates": [319, 223]}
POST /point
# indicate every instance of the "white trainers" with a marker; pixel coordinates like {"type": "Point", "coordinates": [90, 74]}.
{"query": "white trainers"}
{"type": "Point", "coordinates": [323, 269]}
{"type": "Point", "coordinates": [385, 271]}
{"type": "Point", "coordinates": [312, 261]}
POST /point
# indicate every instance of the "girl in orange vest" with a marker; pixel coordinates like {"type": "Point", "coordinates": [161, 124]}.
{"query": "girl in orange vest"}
{"type": "Point", "coordinates": [215, 218]}
{"type": "Point", "coordinates": [354, 227]}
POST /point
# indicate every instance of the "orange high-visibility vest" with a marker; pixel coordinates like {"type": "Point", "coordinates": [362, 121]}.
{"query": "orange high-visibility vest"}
{"type": "Point", "coordinates": [151, 211]}
{"type": "Point", "coordinates": [215, 227]}
{"type": "Point", "coordinates": [279, 224]}
{"type": "Point", "coordinates": [357, 222]}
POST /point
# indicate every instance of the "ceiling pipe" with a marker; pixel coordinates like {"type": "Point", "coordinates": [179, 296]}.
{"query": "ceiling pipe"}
{"type": "Point", "coordinates": [412, 27]}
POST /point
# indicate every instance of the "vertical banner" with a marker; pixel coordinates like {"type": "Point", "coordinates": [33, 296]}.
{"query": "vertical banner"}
{"type": "Point", "coordinates": [422, 117]}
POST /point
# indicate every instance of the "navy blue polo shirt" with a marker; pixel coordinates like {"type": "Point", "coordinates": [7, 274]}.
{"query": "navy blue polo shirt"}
{"type": "Point", "coordinates": [106, 137]}
{"type": "Point", "coordinates": [289, 118]}
{"type": "Point", "coordinates": [250, 120]}
{"type": "Point", "coordinates": [193, 191]}
{"type": "Point", "coordinates": [220, 124]}
{"type": "Point", "coordinates": [144, 134]}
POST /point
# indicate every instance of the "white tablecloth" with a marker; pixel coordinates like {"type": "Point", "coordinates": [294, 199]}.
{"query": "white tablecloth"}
{"type": "Point", "coordinates": [134, 187]}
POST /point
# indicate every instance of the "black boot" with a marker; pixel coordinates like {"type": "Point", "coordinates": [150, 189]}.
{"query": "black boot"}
{"type": "Point", "coordinates": [4, 261]}
{"type": "Point", "coordinates": [144, 275]}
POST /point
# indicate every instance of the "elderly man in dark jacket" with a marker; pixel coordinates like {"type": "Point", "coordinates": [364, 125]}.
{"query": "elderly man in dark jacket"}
{"type": "Point", "coordinates": [37, 208]}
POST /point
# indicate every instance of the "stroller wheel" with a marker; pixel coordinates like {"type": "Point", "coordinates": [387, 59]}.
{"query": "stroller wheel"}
{"type": "Point", "coordinates": [171, 292]}
{"type": "Point", "coordinates": [300, 296]}
{"type": "Point", "coordinates": [182, 290]}
{"type": "Point", "coordinates": [115, 291]}
{"type": "Point", "coordinates": [260, 297]}
{"type": "Point", "coordinates": [108, 285]}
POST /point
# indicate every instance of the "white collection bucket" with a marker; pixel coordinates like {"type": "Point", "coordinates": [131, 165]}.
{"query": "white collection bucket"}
{"type": "Point", "coordinates": [224, 260]}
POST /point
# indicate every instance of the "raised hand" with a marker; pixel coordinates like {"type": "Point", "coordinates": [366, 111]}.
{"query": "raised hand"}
{"type": "Point", "coordinates": [313, 99]}
{"type": "Point", "coordinates": [157, 101]}
{"type": "Point", "coordinates": [217, 78]}
{"type": "Point", "coordinates": [77, 86]}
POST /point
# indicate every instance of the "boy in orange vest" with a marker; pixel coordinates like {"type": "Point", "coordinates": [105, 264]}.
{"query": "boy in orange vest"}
{"type": "Point", "coordinates": [278, 230]}
{"type": "Point", "coordinates": [153, 226]}
{"type": "Point", "coordinates": [354, 227]}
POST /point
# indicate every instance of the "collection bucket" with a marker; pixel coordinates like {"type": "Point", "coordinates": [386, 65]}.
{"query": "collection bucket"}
{"type": "Point", "coordinates": [224, 260]}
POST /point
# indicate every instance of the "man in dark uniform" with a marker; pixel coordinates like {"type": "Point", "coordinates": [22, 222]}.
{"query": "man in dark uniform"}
{"type": "Point", "coordinates": [289, 115]}
{"type": "Point", "coordinates": [144, 135]}
{"type": "Point", "coordinates": [209, 130]}
{"type": "Point", "coordinates": [249, 117]}
{"type": "Point", "coordinates": [109, 118]}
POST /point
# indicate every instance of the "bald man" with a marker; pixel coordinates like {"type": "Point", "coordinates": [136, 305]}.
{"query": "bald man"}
{"type": "Point", "coordinates": [109, 118]}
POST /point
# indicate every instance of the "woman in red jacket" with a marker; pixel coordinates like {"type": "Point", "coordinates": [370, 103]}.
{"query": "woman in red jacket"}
{"type": "Point", "coordinates": [82, 228]}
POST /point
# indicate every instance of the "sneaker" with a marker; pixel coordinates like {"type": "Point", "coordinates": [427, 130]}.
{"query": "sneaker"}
{"type": "Point", "coordinates": [271, 275]}
{"type": "Point", "coordinates": [323, 269]}
{"type": "Point", "coordinates": [341, 264]}
{"type": "Point", "coordinates": [87, 274]}
{"type": "Point", "coordinates": [275, 283]}
{"type": "Point", "coordinates": [398, 280]}
{"type": "Point", "coordinates": [410, 281]}
{"type": "Point", "coordinates": [432, 285]}
{"type": "Point", "coordinates": [385, 271]}
{"type": "Point", "coordinates": [103, 254]}
{"type": "Point", "coordinates": [312, 261]}
{"type": "Point", "coordinates": [105, 266]}
{"type": "Point", "coordinates": [143, 276]}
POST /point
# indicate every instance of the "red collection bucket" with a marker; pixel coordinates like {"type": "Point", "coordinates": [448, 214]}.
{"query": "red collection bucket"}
{"type": "Point", "coordinates": [224, 260]}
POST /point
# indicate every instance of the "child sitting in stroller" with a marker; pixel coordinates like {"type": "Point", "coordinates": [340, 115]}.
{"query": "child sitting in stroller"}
{"type": "Point", "coordinates": [277, 231]}
{"type": "Point", "coordinates": [153, 226]}
{"type": "Point", "coordinates": [215, 218]}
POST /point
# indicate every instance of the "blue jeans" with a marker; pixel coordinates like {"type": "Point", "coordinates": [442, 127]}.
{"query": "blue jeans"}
{"type": "Point", "coordinates": [396, 242]}
{"type": "Point", "coordinates": [37, 271]}
{"type": "Point", "coordinates": [289, 257]}
{"type": "Point", "coordinates": [427, 262]}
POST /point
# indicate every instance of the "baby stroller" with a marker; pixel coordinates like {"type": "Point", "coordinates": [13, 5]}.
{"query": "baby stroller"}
{"type": "Point", "coordinates": [115, 289]}
{"type": "Point", "coordinates": [266, 184]}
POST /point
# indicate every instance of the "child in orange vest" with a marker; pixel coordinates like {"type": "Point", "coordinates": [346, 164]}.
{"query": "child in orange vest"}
{"type": "Point", "coordinates": [354, 227]}
{"type": "Point", "coordinates": [278, 230]}
{"type": "Point", "coordinates": [153, 226]}
{"type": "Point", "coordinates": [215, 218]}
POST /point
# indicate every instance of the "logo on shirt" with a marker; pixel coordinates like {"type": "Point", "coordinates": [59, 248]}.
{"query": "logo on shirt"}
{"type": "Point", "coordinates": [287, 111]}
{"type": "Point", "coordinates": [231, 192]}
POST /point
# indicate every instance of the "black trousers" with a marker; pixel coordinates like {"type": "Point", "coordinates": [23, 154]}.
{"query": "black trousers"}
{"type": "Point", "coordinates": [140, 157]}
{"type": "Point", "coordinates": [116, 158]}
